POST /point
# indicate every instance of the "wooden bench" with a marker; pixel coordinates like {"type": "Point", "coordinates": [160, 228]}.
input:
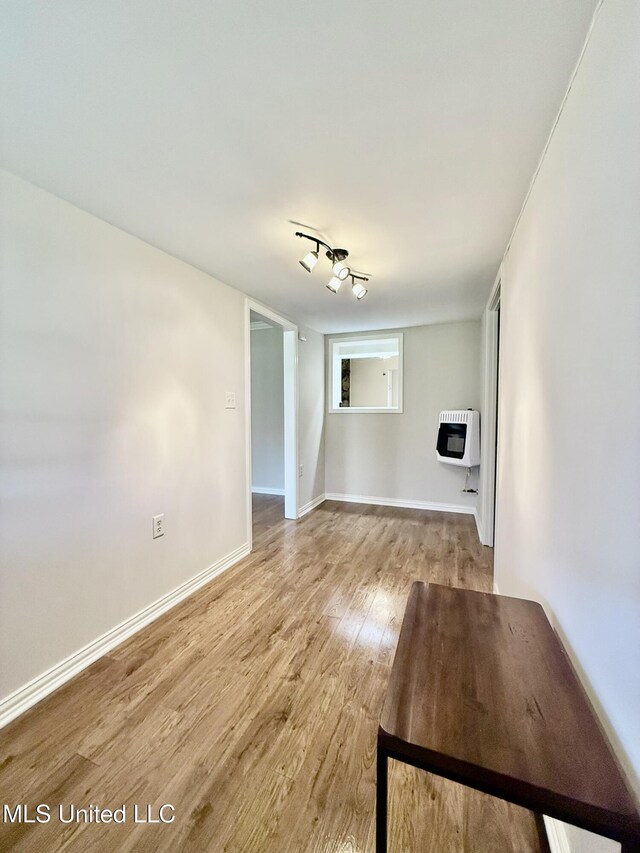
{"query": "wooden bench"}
{"type": "Point", "coordinates": [482, 692]}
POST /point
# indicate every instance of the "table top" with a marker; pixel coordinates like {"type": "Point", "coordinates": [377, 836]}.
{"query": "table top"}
{"type": "Point", "coordinates": [482, 691]}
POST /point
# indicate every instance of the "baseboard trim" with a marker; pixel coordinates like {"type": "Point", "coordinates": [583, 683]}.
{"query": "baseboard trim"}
{"type": "Point", "coordinates": [496, 591]}
{"type": "Point", "coordinates": [404, 504]}
{"type": "Point", "coordinates": [476, 515]}
{"type": "Point", "coordinates": [261, 490]}
{"type": "Point", "coordinates": [304, 510]}
{"type": "Point", "coordinates": [25, 697]}
{"type": "Point", "coordinates": [556, 835]}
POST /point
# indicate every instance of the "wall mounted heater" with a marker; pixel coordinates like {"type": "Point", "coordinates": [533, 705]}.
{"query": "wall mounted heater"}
{"type": "Point", "coordinates": [459, 438]}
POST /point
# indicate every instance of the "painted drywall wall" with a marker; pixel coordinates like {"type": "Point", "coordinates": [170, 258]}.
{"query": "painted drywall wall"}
{"type": "Point", "coordinates": [311, 426]}
{"type": "Point", "coordinates": [568, 516]}
{"type": "Point", "coordinates": [392, 455]}
{"type": "Point", "coordinates": [114, 362]}
{"type": "Point", "coordinates": [267, 410]}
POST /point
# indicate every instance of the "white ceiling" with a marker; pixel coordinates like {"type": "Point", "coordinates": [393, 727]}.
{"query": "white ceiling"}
{"type": "Point", "coordinates": [406, 132]}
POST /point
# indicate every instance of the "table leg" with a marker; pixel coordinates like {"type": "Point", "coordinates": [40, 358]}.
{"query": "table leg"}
{"type": "Point", "coordinates": [381, 800]}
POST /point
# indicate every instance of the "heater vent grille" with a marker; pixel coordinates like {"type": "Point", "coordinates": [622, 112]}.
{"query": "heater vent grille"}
{"type": "Point", "coordinates": [455, 417]}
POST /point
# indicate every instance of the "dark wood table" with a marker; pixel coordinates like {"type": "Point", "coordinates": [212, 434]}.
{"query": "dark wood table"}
{"type": "Point", "coordinates": [482, 692]}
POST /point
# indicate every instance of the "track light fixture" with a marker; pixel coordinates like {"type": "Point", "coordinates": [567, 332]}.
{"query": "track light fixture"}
{"type": "Point", "coordinates": [340, 270]}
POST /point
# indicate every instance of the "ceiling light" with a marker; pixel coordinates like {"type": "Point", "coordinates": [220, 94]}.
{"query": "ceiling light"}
{"type": "Point", "coordinates": [339, 269]}
{"type": "Point", "coordinates": [359, 290]}
{"type": "Point", "coordinates": [309, 261]}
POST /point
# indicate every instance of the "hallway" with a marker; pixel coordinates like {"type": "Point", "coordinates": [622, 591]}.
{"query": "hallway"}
{"type": "Point", "coordinates": [252, 707]}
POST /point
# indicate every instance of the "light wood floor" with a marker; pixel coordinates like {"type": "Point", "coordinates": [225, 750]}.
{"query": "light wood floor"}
{"type": "Point", "coordinates": [252, 707]}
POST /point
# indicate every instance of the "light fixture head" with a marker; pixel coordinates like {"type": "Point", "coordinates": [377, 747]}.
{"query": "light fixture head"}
{"type": "Point", "coordinates": [309, 261]}
{"type": "Point", "coordinates": [359, 290]}
{"type": "Point", "coordinates": [340, 270]}
{"type": "Point", "coordinates": [334, 285]}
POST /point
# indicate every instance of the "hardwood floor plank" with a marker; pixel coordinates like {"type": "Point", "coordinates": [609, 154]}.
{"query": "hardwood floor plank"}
{"type": "Point", "coordinates": [252, 707]}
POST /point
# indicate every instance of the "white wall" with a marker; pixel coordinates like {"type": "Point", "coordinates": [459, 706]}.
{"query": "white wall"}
{"type": "Point", "coordinates": [267, 409]}
{"type": "Point", "coordinates": [393, 456]}
{"type": "Point", "coordinates": [114, 360]}
{"type": "Point", "coordinates": [311, 425]}
{"type": "Point", "coordinates": [568, 521]}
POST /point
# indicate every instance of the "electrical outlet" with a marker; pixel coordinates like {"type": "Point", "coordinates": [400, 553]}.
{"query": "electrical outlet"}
{"type": "Point", "coordinates": [229, 400]}
{"type": "Point", "coordinates": [301, 470]}
{"type": "Point", "coordinates": [158, 526]}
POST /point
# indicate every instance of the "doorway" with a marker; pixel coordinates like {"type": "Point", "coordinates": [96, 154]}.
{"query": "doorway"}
{"type": "Point", "coordinates": [271, 375]}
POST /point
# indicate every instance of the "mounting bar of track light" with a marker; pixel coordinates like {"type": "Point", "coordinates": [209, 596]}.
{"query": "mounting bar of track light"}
{"type": "Point", "coordinates": [315, 240]}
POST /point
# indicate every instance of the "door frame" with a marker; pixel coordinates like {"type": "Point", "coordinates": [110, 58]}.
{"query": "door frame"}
{"type": "Point", "coordinates": [489, 456]}
{"type": "Point", "coordinates": [290, 373]}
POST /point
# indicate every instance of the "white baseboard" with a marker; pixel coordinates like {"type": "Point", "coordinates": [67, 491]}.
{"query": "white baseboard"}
{"type": "Point", "coordinates": [556, 835]}
{"type": "Point", "coordinates": [311, 505]}
{"type": "Point", "coordinates": [476, 515]}
{"type": "Point", "coordinates": [404, 504]}
{"type": "Point", "coordinates": [25, 697]}
{"type": "Point", "coordinates": [262, 490]}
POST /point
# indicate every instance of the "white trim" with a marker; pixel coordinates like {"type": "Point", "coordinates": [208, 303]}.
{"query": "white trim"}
{"type": "Point", "coordinates": [248, 466]}
{"type": "Point", "coordinates": [290, 379]}
{"type": "Point", "coordinates": [494, 297]}
{"type": "Point", "coordinates": [25, 697]}
{"type": "Point", "coordinates": [311, 505]}
{"type": "Point", "coordinates": [556, 835]}
{"type": "Point", "coordinates": [266, 490]}
{"type": "Point", "coordinates": [476, 515]}
{"type": "Point", "coordinates": [496, 591]}
{"type": "Point", "coordinates": [364, 410]}
{"type": "Point", "coordinates": [264, 311]}
{"type": "Point", "coordinates": [489, 425]}
{"type": "Point", "coordinates": [333, 380]}
{"type": "Point", "coordinates": [405, 504]}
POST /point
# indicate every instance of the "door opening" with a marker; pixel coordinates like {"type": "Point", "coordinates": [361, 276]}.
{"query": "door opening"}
{"type": "Point", "coordinates": [271, 347]}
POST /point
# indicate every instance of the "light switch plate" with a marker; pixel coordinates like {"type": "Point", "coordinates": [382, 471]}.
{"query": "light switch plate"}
{"type": "Point", "coordinates": [229, 400]}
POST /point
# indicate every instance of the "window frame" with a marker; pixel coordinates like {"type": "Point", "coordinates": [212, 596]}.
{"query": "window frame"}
{"type": "Point", "coordinates": [331, 380]}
